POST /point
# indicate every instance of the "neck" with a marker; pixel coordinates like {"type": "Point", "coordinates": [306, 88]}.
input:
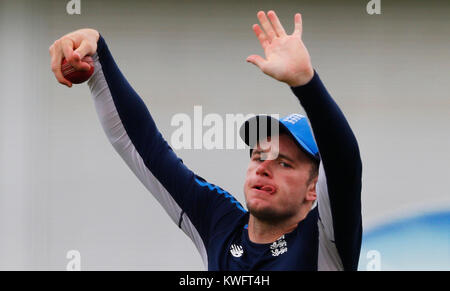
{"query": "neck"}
{"type": "Point", "coordinates": [263, 232]}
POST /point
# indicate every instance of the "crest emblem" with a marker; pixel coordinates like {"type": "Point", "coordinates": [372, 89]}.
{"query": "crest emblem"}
{"type": "Point", "coordinates": [279, 247]}
{"type": "Point", "coordinates": [236, 250]}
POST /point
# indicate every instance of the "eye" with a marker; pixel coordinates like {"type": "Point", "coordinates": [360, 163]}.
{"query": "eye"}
{"type": "Point", "coordinates": [285, 165]}
{"type": "Point", "coordinates": [256, 157]}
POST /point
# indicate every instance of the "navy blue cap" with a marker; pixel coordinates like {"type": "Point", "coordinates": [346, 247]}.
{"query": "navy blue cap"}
{"type": "Point", "coordinates": [295, 125]}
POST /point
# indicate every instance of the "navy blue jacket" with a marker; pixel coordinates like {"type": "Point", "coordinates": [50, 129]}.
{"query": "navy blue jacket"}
{"type": "Point", "coordinates": [329, 238]}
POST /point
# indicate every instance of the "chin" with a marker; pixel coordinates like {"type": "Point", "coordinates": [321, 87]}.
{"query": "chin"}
{"type": "Point", "coordinates": [258, 203]}
{"type": "Point", "coordinates": [264, 212]}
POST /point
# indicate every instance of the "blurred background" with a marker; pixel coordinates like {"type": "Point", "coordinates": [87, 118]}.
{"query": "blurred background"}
{"type": "Point", "coordinates": [63, 187]}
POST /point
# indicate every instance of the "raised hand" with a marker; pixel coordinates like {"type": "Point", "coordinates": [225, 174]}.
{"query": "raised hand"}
{"type": "Point", "coordinates": [286, 57]}
{"type": "Point", "coordinates": [73, 46]}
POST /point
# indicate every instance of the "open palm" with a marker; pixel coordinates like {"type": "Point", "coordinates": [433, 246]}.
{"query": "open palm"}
{"type": "Point", "coordinates": [286, 57]}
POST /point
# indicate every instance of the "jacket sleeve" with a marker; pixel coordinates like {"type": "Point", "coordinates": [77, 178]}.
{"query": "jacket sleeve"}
{"type": "Point", "coordinates": [339, 183]}
{"type": "Point", "coordinates": [195, 205]}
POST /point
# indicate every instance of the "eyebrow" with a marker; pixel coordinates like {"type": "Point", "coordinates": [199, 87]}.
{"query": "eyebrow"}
{"type": "Point", "coordinates": [286, 158]}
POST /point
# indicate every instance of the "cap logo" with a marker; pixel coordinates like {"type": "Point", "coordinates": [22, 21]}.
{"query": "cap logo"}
{"type": "Point", "coordinates": [293, 118]}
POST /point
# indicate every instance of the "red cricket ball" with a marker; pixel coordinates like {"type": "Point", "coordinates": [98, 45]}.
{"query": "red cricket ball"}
{"type": "Point", "coordinates": [75, 76]}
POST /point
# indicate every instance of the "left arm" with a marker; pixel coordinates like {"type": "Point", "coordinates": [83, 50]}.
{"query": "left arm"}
{"type": "Point", "coordinates": [339, 186]}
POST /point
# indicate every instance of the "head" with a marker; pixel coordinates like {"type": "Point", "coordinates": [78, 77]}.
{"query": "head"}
{"type": "Point", "coordinates": [281, 180]}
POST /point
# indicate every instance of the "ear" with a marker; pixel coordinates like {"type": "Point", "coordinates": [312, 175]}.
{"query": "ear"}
{"type": "Point", "coordinates": [311, 194]}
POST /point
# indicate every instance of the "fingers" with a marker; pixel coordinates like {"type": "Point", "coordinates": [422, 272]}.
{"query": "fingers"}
{"type": "Point", "coordinates": [84, 41]}
{"type": "Point", "coordinates": [266, 25]}
{"type": "Point", "coordinates": [274, 28]}
{"type": "Point", "coordinates": [73, 57]}
{"type": "Point", "coordinates": [83, 50]}
{"type": "Point", "coordinates": [271, 29]}
{"type": "Point", "coordinates": [261, 36]}
{"type": "Point", "coordinates": [57, 55]}
{"type": "Point", "coordinates": [67, 48]}
{"type": "Point", "coordinates": [276, 24]}
{"type": "Point", "coordinates": [298, 24]}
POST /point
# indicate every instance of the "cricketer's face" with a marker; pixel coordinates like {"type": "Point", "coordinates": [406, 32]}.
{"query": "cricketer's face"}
{"type": "Point", "coordinates": [276, 188]}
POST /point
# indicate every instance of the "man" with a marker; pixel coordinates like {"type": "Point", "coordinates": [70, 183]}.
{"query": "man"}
{"type": "Point", "coordinates": [284, 229]}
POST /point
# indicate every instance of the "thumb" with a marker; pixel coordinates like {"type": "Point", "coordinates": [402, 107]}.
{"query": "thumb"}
{"type": "Point", "coordinates": [83, 50]}
{"type": "Point", "coordinates": [256, 60]}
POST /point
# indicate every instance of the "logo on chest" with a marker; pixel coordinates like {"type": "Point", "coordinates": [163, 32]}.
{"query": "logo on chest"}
{"type": "Point", "coordinates": [236, 250]}
{"type": "Point", "coordinates": [279, 247]}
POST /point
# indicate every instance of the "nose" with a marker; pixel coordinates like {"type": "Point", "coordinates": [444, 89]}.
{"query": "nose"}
{"type": "Point", "coordinates": [263, 168]}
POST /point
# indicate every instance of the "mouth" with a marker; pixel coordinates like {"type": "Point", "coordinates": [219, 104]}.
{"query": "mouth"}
{"type": "Point", "coordinates": [264, 188]}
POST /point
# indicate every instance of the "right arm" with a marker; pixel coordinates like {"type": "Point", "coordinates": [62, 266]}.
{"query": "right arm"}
{"type": "Point", "coordinates": [196, 206]}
